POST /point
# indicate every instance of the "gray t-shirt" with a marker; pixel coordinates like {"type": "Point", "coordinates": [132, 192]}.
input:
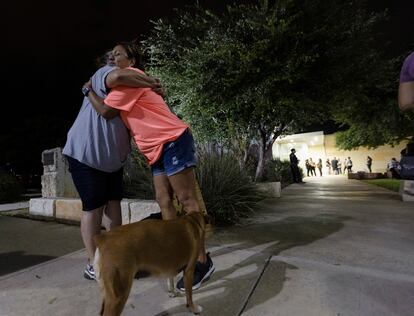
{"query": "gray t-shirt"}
{"type": "Point", "coordinates": [99, 143]}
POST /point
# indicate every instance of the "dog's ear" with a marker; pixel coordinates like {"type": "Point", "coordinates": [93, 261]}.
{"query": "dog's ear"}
{"type": "Point", "coordinates": [208, 227]}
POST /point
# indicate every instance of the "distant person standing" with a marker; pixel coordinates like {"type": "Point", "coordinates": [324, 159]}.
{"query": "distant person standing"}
{"type": "Point", "coordinates": [308, 167]}
{"type": "Point", "coordinates": [406, 87]}
{"type": "Point", "coordinates": [393, 167]}
{"type": "Point", "coordinates": [328, 165]}
{"type": "Point", "coordinates": [406, 166]}
{"type": "Point", "coordinates": [345, 168]}
{"type": "Point", "coordinates": [349, 165]}
{"type": "Point", "coordinates": [369, 163]}
{"type": "Point", "coordinates": [294, 161]}
{"type": "Point", "coordinates": [312, 166]}
{"type": "Point", "coordinates": [334, 163]}
{"type": "Point", "coordinates": [339, 166]}
{"type": "Point", "coordinates": [319, 166]}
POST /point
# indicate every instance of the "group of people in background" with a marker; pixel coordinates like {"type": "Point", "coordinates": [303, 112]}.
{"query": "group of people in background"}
{"type": "Point", "coordinates": [335, 165]}
{"type": "Point", "coordinates": [311, 167]}
{"type": "Point", "coordinates": [399, 169]}
{"type": "Point", "coordinates": [403, 169]}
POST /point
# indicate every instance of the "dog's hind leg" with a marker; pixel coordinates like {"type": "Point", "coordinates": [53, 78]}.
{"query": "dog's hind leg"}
{"type": "Point", "coordinates": [96, 262]}
{"type": "Point", "coordinates": [188, 284]}
{"type": "Point", "coordinates": [117, 285]}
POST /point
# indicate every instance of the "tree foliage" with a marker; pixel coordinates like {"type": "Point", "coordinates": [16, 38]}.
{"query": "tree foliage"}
{"type": "Point", "coordinates": [261, 70]}
{"type": "Point", "coordinates": [373, 116]}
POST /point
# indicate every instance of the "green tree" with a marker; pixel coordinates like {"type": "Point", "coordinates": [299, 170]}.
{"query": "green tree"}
{"type": "Point", "coordinates": [374, 118]}
{"type": "Point", "coordinates": [261, 71]}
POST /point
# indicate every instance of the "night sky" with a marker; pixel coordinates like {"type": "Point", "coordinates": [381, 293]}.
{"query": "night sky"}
{"type": "Point", "coordinates": [50, 47]}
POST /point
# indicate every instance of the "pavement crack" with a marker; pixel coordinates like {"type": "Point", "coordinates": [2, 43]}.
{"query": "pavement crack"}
{"type": "Point", "coordinates": [255, 285]}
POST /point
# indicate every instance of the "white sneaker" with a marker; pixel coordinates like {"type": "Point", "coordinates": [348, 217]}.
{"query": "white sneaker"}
{"type": "Point", "coordinates": [89, 272]}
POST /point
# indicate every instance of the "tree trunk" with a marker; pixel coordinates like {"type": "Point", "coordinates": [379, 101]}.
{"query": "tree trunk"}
{"type": "Point", "coordinates": [245, 146]}
{"type": "Point", "coordinates": [261, 158]}
{"type": "Point", "coordinates": [265, 151]}
{"type": "Point", "coordinates": [246, 155]}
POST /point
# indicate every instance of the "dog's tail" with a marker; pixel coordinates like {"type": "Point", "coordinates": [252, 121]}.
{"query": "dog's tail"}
{"type": "Point", "coordinates": [96, 264]}
{"type": "Point", "coordinates": [97, 268]}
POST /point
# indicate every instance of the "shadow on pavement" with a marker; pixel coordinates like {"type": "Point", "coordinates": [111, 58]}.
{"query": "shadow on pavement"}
{"type": "Point", "coordinates": [226, 286]}
{"type": "Point", "coordinates": [17, 260]}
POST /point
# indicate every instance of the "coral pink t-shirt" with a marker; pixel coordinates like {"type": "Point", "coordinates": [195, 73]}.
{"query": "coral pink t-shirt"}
{"type": "Point", "coordinates": [148, 118]}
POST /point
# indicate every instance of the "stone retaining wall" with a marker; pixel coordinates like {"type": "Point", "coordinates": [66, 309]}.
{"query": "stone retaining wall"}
{"type": "Point", "coordinates": [60, 200]}
{"type": "Point", "coordinates": [366, 175]}
{"type": "Point", "coordinates": [271, 189]}
{"type": "Point", "coordinates": [68, 209]}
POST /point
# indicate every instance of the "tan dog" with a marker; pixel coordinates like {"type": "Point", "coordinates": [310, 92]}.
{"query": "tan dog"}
{"type": "Point", "coordinates": [161, 248]}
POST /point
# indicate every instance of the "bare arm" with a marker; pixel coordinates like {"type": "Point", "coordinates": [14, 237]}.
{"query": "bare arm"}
{"type": "Point", "coordinates": [406, 96]}
{"type": "Point", "coordinates": [130, 78]}
{"type": "Point", "coordinates": [105, 111]}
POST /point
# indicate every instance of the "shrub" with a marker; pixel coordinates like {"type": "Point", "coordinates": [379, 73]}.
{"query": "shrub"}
{"type": "Point", "coordinates": [10, 188]}
{"type": "Point", "coordinates": [228, 191]}
{"type": "Point", "coordinates": [138, 183]}
{"type": "Point", "coordinates": [278, 171]}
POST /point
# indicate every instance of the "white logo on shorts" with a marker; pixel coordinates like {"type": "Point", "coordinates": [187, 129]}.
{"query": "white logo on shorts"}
{"type": "Point", "coordinates": [174, 160]}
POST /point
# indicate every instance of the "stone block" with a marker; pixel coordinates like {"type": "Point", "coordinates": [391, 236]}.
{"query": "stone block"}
{"type": "Point", "coordinates": [69, 209]}
{"type": "Point", "coordinates": [366, 175]}
{"type": "Point", "coordinates": [51, 186]}
{"type": "Point", "coordinates": [407, 198]}
{"type": "Point", "coordinates": [142, 208]}
{"type": "Point", "coordinates": [407, 190]}
{"type": "Point", "coordinates": [56, 179]}
{"type": "Point", "coordinates": [69, 190]}
{"type": "Point", "coordinates": [125, 211]}
{"type": "Point", "coordinates": [407, 187]}
{"type": "Point", "coordinates": [42, 207]}
{"type": "Point", "coordinates": [374, 175]}
{"type": "Point", "coordinates": [271, 189]}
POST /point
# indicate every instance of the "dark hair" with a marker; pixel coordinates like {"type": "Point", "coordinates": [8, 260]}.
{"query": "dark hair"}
{"type": "Point", "coordinates": [133, 51]}
{"type": "Point", "coordinates": [410, 149]}
{"type": "Point", "coordinates": [103, 59]}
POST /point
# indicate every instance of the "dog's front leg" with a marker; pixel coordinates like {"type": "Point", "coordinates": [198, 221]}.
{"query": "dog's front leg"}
{"type": "Point", "coordinates": [171, 287]}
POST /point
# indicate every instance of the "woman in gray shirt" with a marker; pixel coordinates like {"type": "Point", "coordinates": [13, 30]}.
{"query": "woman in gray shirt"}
{"type": "Point", "coordinates": [96, 150]}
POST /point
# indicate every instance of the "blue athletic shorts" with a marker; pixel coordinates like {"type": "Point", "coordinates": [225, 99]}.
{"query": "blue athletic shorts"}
{"type": "Point", "coordinates": [95, 187]}
{"type": "Point", "coordinates": [176, 156]}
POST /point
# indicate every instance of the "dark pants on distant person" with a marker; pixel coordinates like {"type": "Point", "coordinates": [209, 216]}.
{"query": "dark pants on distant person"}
{"type": "Point", "coordinates": [297, 177]}
{"type": "Point", "coordinates": [395, 174]}
{"type": "Point", "coordinates": [320, 171]}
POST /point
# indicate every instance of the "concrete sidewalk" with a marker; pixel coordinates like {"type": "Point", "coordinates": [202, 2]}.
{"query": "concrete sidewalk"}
{"type": "Point", "coordinates": [331, 246]}
{"type": "Point", "coordinates": [13, 206]}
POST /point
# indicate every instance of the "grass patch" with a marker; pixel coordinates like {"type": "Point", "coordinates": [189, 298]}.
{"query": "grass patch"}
{"type": "Point", "coordinates": [390, 184]}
